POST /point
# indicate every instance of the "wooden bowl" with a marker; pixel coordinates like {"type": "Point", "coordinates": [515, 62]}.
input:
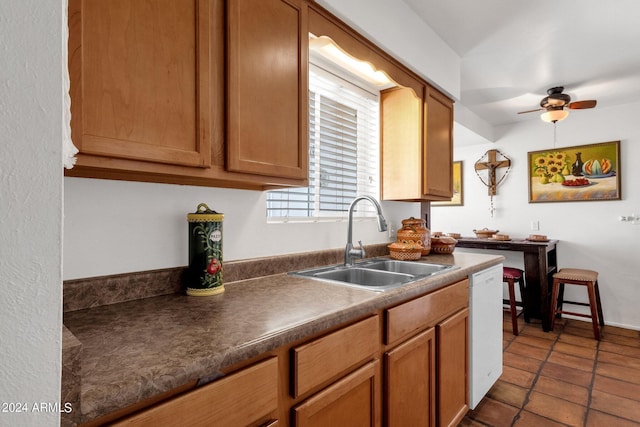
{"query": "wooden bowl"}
{"type": "Point", "coordinates": [485, 233]}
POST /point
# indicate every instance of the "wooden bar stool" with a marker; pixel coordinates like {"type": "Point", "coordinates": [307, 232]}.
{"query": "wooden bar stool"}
{"type": "Point", "coordinates": [510, 275]}
{"type": "Point", "coordinates": [577, 276]}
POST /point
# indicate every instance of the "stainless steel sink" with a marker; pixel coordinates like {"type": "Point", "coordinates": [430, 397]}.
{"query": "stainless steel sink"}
{"type": "Point", "coordinates": [377, 274]}
{"type": "Point", "coordinates": [414, 268]}
{"type": "Point", "coordinates": [364, 276]}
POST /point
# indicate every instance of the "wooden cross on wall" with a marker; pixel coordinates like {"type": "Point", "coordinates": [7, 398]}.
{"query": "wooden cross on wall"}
{"type": "Point", "coordinates": [491, 165]}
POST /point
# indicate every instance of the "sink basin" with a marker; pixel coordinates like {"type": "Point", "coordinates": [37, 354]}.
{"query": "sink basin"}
{"type": "Point", "coordinates": [378, 274]}
{"type": "Point", "coordinates": [364, 276]}
{"type": "Point", "coordinates": [414, 268]}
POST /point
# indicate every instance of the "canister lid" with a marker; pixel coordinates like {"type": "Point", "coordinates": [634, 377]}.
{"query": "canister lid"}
{"type": "Point", "coordinates": [413, 221]}
{"type": "Point", "coordinates": [204, 214]}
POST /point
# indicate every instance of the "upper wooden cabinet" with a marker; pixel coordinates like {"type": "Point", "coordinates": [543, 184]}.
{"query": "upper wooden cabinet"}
{"type": "Point", "coordinates": [438, 146]}
{"type": "Point", "coordinates": [417, 144]}
{"type": "Point", "coordinates": [416, 119]}
{"type": "Point", "coordinates": [267, 63]}
{"type": "Point", "coordinates": [215, 92]}
{"type": "Point", "coordinates": [201, 92]}
{"type": "Point", "coordinates": [401, 140]}
{"type": "Point", "coordinates": [140, 79]}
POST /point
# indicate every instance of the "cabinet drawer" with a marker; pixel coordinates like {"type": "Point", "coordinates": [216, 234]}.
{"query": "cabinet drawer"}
{"type": "Point", "coordinates": [242, 398]}
{"type": "Point", "coordinates": [404, 320]}
{"type": "Point", "coordinates": [327, 357]}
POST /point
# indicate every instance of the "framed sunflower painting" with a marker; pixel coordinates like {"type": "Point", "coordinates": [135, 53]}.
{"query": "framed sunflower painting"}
{"type": "Point", "coordinates": [572, 174]}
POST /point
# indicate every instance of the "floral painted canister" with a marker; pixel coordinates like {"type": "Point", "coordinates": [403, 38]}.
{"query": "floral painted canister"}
{"type": "Point", "coordinates": [204, 276]}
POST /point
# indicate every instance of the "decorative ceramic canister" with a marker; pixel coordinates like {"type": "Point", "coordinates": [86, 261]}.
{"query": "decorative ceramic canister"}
{"type": "Point", "coordinates": [204, 276]}
{"type": "Point", "coordinates": [414, 230]}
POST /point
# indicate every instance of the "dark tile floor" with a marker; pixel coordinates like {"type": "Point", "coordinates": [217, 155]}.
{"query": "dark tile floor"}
{"type": "Point", "coordinates": [564, 378]}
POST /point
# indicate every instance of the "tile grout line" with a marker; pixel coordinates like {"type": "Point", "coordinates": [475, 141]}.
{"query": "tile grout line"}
{"type": "Point", "coordinates": [534, 382]}
{"type": "Point", "coordinates": [593, 380]}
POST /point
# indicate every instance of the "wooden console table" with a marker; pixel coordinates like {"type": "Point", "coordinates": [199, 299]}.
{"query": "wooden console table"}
{"type": "Point", "coordinates": [539, 265]}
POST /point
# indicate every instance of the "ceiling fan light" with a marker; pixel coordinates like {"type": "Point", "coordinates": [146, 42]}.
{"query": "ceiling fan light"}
{"type": "Point", "coordinates": [553, 116]}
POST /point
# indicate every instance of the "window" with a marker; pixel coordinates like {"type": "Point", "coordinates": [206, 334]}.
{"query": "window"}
{"type": "Point", "coordinates": [343, 152]}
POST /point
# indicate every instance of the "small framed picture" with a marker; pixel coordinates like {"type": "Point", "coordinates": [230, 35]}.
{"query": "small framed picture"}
{"type": "Point", "coordinates": [457, 199]}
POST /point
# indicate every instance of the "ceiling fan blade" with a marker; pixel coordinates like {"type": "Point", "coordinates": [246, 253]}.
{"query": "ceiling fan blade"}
{"type": "Point", "coordinates": [530, 111]}
{"type": "Point", "coordinates": [581, 105]}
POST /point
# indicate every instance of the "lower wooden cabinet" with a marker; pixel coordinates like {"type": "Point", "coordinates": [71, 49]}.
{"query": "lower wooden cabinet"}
{"type": "Point", "coordinates": [452, 336]}
{"type": "Point", "coordinates": [248, 397]}
{"type": "Point", "coordinates": [342, 373]}
{"type": "Point", "coordinates": [426, 374]}
{"type": "Point", "coordinates": [405, 365]}
{"type": "Point", "coordinates": [410, 380]}
{"type": "Point", "coordinates": [352, 401]}
{"type": "Point", "coordinates": [319, 361]}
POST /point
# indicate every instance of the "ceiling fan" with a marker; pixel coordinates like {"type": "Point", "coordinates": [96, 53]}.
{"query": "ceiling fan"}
{"type": "Point", "coordinates": [555, 104]}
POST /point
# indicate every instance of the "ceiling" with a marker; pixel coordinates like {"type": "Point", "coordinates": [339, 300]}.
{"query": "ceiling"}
{"type": "Point", "coordinates": [512, 51]}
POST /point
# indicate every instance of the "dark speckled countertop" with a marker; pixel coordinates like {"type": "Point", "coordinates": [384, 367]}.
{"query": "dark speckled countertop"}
{"type": "Point", "coordinates": [136, 349]}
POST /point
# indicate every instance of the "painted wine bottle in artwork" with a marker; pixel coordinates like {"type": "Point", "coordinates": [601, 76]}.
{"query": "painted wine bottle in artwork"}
{"type": "Point", "coordinates": [576, 167]}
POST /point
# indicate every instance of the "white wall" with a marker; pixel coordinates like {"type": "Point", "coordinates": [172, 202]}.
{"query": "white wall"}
{"type": "Point", "coordinates": [589, 232]}
{"type": "Point", "coordinates": [31, 205]}
{"type": "Point", "coordinates": [116, 227]}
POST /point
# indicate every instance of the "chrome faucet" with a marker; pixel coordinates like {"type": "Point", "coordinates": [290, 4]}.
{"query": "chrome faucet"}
{"type": "Point", "coordinates": [349, 252]}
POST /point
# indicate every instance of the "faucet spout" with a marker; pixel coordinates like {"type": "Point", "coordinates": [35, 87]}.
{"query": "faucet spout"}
{"type": "Point", "coordinates": [349, 252]}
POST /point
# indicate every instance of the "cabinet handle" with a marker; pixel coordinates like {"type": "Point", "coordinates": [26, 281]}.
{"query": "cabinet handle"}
{"type": "Point", "coordinates": [270, 423]}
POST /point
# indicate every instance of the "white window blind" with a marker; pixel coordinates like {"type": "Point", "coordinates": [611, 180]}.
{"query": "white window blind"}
{"type": "Point", "coordinates": [343, 152]}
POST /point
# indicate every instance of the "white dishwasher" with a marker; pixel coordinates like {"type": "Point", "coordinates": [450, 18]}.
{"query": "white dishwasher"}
{"type": "Point", "coordinates": [485, 332]}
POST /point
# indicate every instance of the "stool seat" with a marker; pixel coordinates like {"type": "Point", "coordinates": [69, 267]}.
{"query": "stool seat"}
{"type": "Point", "coordinates": [578, 274]}
{"type": "Point", "coordinates": [511, 273]}
{"type": "Point", "coordinates": [580, 277]}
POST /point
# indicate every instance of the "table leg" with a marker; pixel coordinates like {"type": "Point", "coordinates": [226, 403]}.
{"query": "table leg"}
{"type": "Point", "coordinates": [537, 290]}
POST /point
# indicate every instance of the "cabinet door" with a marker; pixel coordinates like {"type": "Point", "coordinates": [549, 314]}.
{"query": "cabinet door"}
{"type": "Point", "coordinates": [452, 369]}
{"type": "Point", "coordinates": [401, 112]}
{"type": "Point", "coordinates": [438, 150]}
{"type": "Point", "coordinates": [417, 144]}
{"type": "Point", "coordinates": [352, 401]}
{"type": "Point", "coordinates": [140, 79]}
{"type": "Point", "coordinates": [268, 45]}
{"type": "Point", "coordinates": [410, 382]}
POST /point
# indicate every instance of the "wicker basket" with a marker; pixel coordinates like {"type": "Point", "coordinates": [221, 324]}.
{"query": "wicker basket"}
{"type": "Point", "coordinates": [443, 245]}
{"type": "Point", "coordinates": [405, 251]}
